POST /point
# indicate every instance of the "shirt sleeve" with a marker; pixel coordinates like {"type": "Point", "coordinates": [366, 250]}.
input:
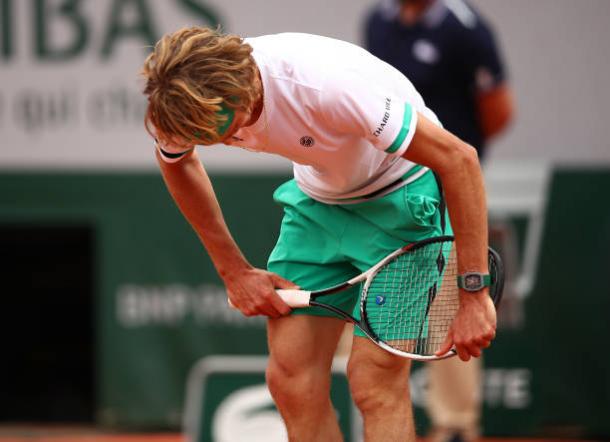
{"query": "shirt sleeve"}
{"type": "Point", "coordinates": [483, 61]}
{"type": "Point", "coordinates": [350, 105]}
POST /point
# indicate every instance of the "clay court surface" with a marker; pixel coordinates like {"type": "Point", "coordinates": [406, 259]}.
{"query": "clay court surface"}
{"type": "Point", "coordinates": [86, 434]}
{"type": "Point", "coordinates": [78, 434]}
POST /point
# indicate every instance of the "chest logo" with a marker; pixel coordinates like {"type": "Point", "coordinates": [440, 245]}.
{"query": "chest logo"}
{"type": "Point", "coordinates": [426, 52]}
{"type": "Point", "coordinates": [307, 141]}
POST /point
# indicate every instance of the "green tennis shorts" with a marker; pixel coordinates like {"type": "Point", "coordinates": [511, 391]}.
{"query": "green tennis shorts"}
{"type": "Point", "coordinates": [321, 245]}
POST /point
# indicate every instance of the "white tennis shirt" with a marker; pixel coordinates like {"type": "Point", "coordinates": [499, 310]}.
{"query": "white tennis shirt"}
{"type": "Point", "coordinates": [340, 114]}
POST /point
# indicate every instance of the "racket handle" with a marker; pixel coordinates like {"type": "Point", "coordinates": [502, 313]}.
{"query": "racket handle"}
{"type": "Point", "coordinates": [294, 298]}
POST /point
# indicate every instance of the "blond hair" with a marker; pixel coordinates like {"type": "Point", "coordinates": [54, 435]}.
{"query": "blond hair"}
{"type": "Point", "coordinates": [191, 75]}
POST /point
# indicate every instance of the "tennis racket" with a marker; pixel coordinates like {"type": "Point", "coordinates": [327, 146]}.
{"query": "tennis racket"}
{"type": "Point", "coordinates": [409, 299]}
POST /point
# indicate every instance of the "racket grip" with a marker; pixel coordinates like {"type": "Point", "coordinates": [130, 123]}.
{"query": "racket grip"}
{"type": "Point", "coordinates": [294, 298]}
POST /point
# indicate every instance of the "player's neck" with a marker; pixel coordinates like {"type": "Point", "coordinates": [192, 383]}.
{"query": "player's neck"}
{"type": "Point", "coordinates": [411, 11]}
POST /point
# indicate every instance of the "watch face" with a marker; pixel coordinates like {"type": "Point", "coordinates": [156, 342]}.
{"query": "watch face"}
{"type": "Point", "coordinates": [473, 282]}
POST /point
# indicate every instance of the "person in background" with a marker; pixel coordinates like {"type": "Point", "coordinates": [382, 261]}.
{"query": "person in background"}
{"type": "Point", "coordinates": [448, 52]}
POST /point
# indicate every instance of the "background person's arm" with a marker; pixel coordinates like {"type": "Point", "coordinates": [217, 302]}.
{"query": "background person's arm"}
{"type": "Point", "coordinates": [457, 165]}
{"type": "Point", "coordinates": [251, 290]}
{"type": "Point", "coordinates": [495, 108]}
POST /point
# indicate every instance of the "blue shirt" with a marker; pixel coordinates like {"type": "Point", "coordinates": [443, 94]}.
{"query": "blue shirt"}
{"type": "Point", "coordinates": [449, 55]}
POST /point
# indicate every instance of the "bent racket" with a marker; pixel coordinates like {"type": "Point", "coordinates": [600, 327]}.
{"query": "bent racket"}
{"type": "Point", "coordinates": [409, 299]}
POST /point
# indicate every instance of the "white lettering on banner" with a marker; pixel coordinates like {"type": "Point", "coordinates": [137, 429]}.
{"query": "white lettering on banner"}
{"type": "Point", "coordinates": [508, 388]}
{"type": "Point", "coordinates": [174, 305]}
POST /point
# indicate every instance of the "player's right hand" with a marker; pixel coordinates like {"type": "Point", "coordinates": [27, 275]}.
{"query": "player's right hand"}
{"type": "Point", "coordinates": [473, 328]}
{"type": "Point", "coordinates": [253, 292]}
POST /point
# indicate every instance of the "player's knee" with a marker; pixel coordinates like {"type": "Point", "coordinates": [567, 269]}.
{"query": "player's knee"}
{"type": "Point", "coordinates": [292, 385]}
{"type": "Point", "coordinates": [376, 388]}
{"type": "Point", "coordinates": [371, 398]}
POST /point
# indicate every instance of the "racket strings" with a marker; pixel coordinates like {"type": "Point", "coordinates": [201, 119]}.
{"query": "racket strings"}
{"type": "Point", "coordinates": [412, 300]}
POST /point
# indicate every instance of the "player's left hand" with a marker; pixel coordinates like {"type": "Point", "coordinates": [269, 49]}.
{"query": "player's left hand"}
{"type": "Point", "coordinates": [473, 328]}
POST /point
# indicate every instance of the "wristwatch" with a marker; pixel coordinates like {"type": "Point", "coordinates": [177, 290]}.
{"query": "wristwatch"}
{"type": "Point", "coordinates": [473, 281]}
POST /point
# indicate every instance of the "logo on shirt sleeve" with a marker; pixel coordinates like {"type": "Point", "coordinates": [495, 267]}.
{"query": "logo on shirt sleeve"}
{"type": "Point", "coordinates": [386, 117]}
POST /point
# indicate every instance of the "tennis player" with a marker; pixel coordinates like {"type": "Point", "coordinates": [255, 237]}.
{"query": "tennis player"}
{"type": "Point", "coordinates": [364, 146]}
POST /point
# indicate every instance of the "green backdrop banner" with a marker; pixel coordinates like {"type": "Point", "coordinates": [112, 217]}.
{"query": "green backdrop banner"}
{"type": "Point", "coordinates": [161, 307]}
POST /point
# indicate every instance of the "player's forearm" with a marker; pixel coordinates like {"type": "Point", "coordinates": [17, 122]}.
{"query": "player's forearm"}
{"type": "Point", "coordinates": [458, 167]}
{"type": "Point", "coordinates": [191, 189]}
{"type": "Point", "coordinates": [465, 196]}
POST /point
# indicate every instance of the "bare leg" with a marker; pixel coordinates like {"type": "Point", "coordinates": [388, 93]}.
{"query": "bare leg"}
{"type": "Point", "coordinates": [379, 382]}
{"type": "Point", "coordinates": [301, 352]}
